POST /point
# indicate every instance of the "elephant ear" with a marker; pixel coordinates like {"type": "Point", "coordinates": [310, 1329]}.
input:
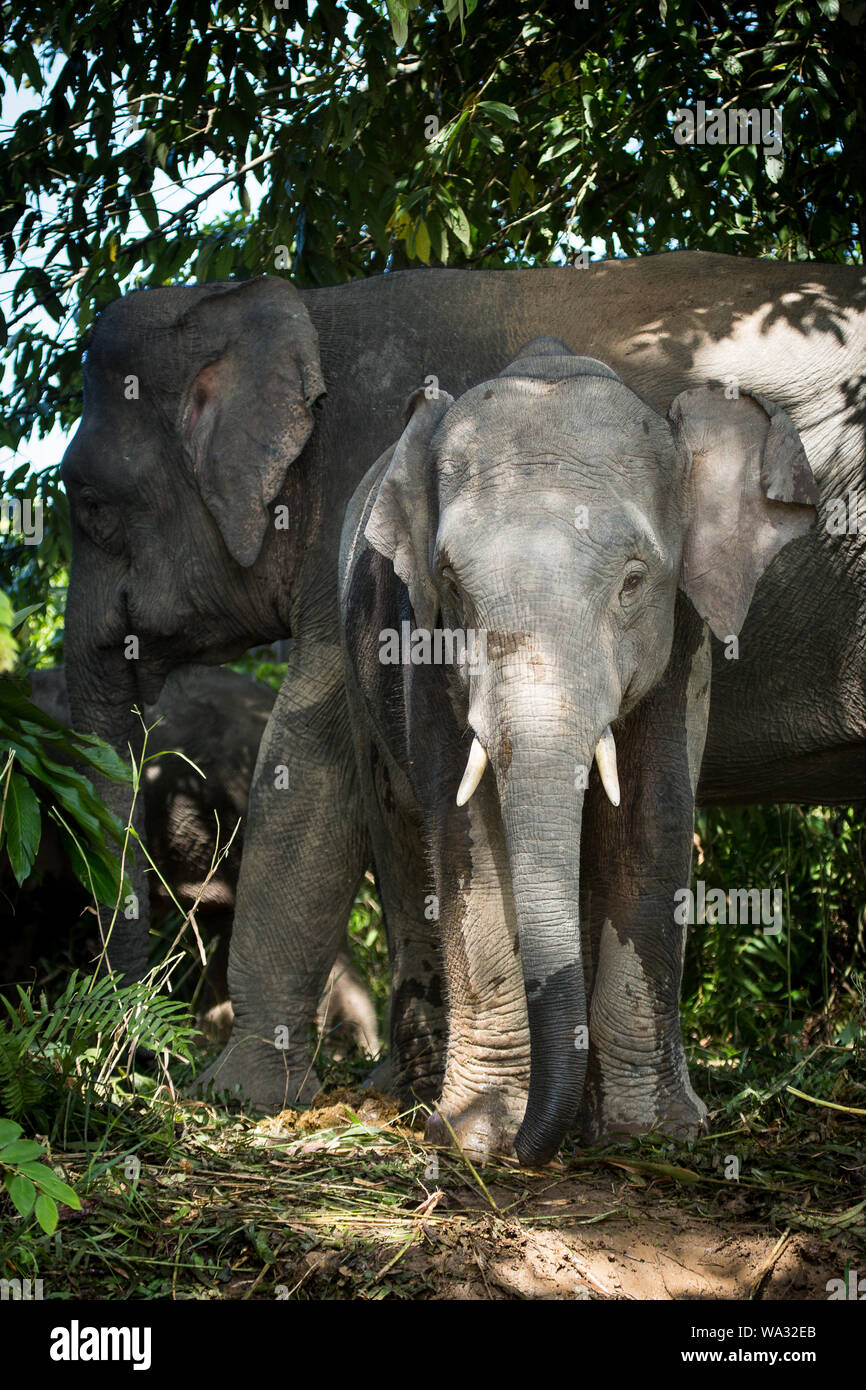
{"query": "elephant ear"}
{"type": "Point", "coordinates": [247, 414]}
{"type": "Point", "coordinates": [399, 523]}
{"type": "Point", "coordinates": [751, 491]}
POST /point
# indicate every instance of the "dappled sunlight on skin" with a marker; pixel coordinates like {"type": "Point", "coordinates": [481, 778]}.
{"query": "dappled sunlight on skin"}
{"type": "Point", "coordinates": [825, 300]}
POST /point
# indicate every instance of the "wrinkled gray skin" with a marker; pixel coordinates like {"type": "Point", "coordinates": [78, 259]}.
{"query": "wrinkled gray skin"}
{"type": "Point", "coordinates": [215, 718]}
{"type": "Point", "coordinates": [788, 718]}
{"type": "Point", "coordinates": [476, 521]}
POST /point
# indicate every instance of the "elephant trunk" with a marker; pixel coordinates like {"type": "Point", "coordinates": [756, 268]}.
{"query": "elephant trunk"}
{"type": "Point", "coordinates": [103, 689]}
{"type": "Point", "coordinates": [538, 762]}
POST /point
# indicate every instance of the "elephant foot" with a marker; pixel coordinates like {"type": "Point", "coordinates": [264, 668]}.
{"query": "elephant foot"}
{"type": "Point", "coordinates": [483, 1124]}
{"type": "Point", "coordinates": [266, 1077]}
{"type": "Point", "coordinates": [630, 1109]}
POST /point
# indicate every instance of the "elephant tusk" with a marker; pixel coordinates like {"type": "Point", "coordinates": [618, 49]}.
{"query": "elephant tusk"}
{"type": "Point", "coordinates": [475, 766]}
{"type": "Point", "coordinates": [605, 756]}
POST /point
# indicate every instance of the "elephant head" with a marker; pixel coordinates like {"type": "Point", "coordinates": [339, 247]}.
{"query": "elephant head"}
{"type": "Point", "coordinates": [197, 402]}
{"type": "Point", "coordinates": [555, 512]}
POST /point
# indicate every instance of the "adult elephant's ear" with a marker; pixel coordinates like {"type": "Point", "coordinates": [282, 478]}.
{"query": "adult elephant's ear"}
{"type": "Point", "coordinates": [247, 414]}
{"type": "Point", "coordinates": [750, 491]}
{"type": "Point", "coordinates": [399, 523]}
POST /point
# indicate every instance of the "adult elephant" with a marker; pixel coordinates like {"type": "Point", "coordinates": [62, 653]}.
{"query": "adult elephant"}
{"type": "Point", "coordinates": [207, 498]}
{"type": "Point", "coordinates": [215, 718]}
{"type": "Point", "coordinates": [549, 519]}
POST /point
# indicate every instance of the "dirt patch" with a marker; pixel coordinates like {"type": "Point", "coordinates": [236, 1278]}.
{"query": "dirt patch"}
{"type": "Point", "coordinates": [609, 1242]}
{"type": "Point", "coordinates": [410, 1222]}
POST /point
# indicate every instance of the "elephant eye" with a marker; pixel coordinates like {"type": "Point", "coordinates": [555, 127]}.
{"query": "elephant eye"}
{"type": "Point", "coordinates": [449, 580]}
{"type": "Point", "coordinates": [100, 520]}
{"type": "Point", "coordinates": [451, 589]}
{"type": "Point", "coordinates": [632, 583]}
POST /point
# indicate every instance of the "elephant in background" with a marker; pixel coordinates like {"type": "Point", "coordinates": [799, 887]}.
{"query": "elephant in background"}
{"type": "Point", "coordinates": [216, 718]}
{"type": "Point", "coordinates": [586, 538]}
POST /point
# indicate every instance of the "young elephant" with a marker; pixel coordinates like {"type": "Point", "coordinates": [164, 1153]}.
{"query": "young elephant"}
{"type": "Point", "coordinates": [557, 517]}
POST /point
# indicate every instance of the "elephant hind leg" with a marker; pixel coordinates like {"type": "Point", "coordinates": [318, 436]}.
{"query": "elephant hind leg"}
{"type": "Point", "coordinates": [417, 1024]}
{"type": "Point", "coordinates": [346, 1017]}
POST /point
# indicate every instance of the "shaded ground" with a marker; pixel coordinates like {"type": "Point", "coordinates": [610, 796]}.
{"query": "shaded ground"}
{"type": "Point", "coordinates": [619, 1227]}
{"type": "Point", "coordinates": [344, 1201]}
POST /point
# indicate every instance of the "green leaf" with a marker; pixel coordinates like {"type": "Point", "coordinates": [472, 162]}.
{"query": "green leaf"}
{"type": "Point", "coordinates": [819, 102]}
{"type": "Point", "coordinates": [88, 748]}
{"type": "Point", "coordinates": [21, 1151]}
{"type": "Point", "coordinates": [515, 187]}
{"type": "Point", "coordinates": [438, 238]}
{"type": "Point", "coordinates": [418, 244]}
{"type": "Point", "coordinates": [659, 1170]}
{"type": "Point", "coordinates": [31, 67]}
{"type": "Point", "coordinates": [505, 115]}
{"type": "Point", "coordinates": [46, 1213]}
{"type": "Point", "coordinates": [97, 870]}
{"type": "Point", "coordinates": [487, 139]}
{"type": "Point", "coordinates": [560, 148]}
{"type": "Point", "coordinates": [22, 1192]}
{"type": "Point", "coordinates": [22, 824]}
{"type": "Point", "coordinates": [398, 11]}
{"type": "Point", "coordinates": [457, 222]}
{"type": "Point", "coordinates": [34, 280]}
{"type": "Point", "coordinates": [70, 788]}
{"type": "Point", "coordinates": [9, 1130]}
{"type": "Point", "coordinates": [80, 747]}
{"type": "Point", "coordinates": [47, 1182]}
{"type": "Point", "coordinates": [24, 613]}
{"type": "Point", "coordinates": [246, 94]}
{"type": "Point", "coordinates": [147, 207]}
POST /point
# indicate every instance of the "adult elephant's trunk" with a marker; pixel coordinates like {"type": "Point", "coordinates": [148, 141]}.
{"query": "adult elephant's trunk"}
{"type": "Point", "coordinates": [542, 755]}
{"type": "Point", "coordinates": [103, 689]}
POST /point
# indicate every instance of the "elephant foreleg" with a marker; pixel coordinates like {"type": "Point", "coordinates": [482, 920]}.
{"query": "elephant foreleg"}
{"type": "Point", "coordinates": [635, 858]}
{"type": "Point", "coordinates": [487, 1071]}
